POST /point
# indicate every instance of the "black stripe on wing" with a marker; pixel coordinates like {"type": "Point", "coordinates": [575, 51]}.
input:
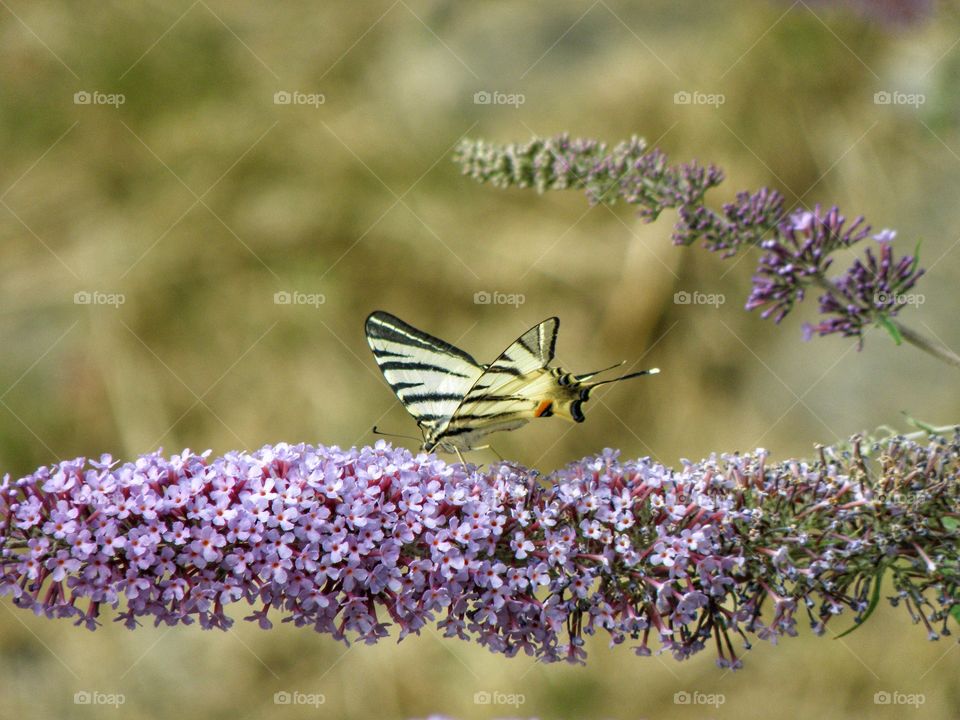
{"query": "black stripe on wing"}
{"type": "Point", "coordinates": [463, 420]}
{"type": "Point", "coordinates": [384, 326]}
{"type": "Point", "coordinates": [417, 365]}
{"type": "Point", "coordinates": [429, 397]}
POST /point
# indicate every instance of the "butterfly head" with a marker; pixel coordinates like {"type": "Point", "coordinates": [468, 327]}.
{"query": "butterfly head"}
{"type": "Point", "coordinates": [433, 440]}
{"type": "Point", "coordinates": [434, 446]}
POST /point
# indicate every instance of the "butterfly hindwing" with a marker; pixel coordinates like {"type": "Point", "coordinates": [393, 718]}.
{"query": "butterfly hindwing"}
{"type": "Point", "coordinates": [429, 376]}
{"type": "Point", "coordinates": [513, 389]}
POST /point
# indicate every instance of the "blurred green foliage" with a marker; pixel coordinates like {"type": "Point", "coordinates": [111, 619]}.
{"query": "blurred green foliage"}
{"type": "Point", "coordinates": [199, 198]}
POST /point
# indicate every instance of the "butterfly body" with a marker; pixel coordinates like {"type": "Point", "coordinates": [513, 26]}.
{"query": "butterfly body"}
{"type": "Point", "coordinates": [457, 401]}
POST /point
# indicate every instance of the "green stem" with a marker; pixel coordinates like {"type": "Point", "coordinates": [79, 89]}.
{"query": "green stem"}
{"type": "Point", "coordinates": [931, 347]}
{"type": "Point", "coordinates": [921, 434]}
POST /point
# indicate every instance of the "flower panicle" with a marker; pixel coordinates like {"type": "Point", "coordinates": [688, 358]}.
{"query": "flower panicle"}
{"type": "Point", "coordinates": [797, 247]}
{"type": "Point", "coordinates": [350, 542]}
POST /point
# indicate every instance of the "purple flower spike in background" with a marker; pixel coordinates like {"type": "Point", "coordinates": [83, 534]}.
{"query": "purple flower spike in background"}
{"type": "Point", "coordinates": [798, 246]}
{"type": "Point", "coordinates": [629, 172]}
{"type": "Point", "coordinates": [349, 542]}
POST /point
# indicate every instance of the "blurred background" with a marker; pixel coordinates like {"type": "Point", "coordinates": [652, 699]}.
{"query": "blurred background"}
{"type": "Point", "coordinates": [173, 172]}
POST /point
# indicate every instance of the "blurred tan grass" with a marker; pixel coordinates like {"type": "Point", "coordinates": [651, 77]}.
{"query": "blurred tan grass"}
{"type": "Point", "coordinates": [302, 198]}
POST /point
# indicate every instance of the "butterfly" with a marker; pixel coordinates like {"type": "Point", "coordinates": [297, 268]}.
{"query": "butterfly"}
{"type": "Point", "coordinates": [457, 401]}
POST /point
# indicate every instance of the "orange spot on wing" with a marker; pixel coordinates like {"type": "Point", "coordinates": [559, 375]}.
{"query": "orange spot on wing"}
{"type": "Point", "coordinates": [543, 407]}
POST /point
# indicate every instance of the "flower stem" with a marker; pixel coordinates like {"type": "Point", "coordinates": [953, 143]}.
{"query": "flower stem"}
{"type": "Point", "coordinates": [937, 350]}
{"type": "Point", "coordinates": [921, 434]}
{"type": "Point", "coordinates": [927, 345]}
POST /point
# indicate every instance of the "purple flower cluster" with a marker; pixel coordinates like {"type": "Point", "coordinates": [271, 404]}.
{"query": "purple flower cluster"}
{"type": "Point", "coordinates": [630, 171]}
{"type": "Point", "coordinates": [876, 287]}
{"type": "Point", "coordinates": [744, 223]}
{"type": "Point", "coordinates": [800, 253]}
{"type": "Point", "coordinates": [797, 248]}
{"type": "Point", "coordinates": [349, 541]}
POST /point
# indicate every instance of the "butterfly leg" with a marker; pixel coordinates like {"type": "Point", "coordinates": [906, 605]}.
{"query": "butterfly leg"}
{"type": "Point", "coordinates": [462, 461]}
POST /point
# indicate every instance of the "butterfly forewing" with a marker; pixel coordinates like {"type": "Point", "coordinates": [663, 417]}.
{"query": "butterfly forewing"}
{"type": "Point", "coordinates": [531, 351]}
{"type": "Point", "coordinates": [429, 376]}
{"type": "Point", "coordinates": [512, 388]}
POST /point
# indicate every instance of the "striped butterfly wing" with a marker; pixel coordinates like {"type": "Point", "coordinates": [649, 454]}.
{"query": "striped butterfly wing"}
{"type": "Point", "coordinates": [429, 376]}
{"type": "Point", "coordinates": [512, 390]}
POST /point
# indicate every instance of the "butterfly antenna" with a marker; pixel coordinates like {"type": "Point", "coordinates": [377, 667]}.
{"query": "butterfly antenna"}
{"type": "Point", "coordinates": [587, 376]}
{"type": "Point", "coordinates": [597, 383]}
{"type": "Point", "coordinates": [380, 432]}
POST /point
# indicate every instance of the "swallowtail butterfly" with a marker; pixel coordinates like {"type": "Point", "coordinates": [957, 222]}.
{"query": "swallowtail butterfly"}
{"type": "Point", "coordinates": [457, 401]}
